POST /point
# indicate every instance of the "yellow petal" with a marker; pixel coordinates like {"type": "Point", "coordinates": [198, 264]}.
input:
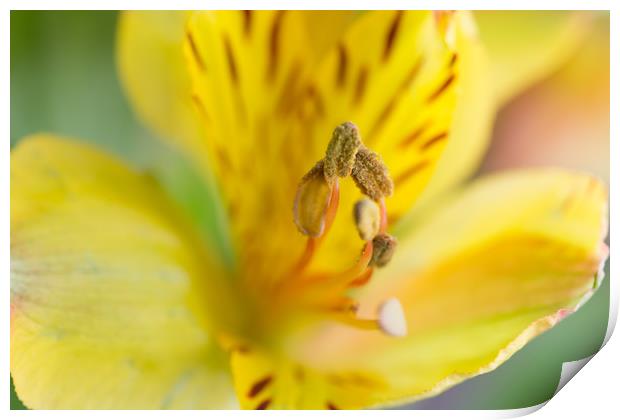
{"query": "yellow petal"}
{"type": "Point", "coordinates": [499, 263]}
{"type": "Point", "coordinates": [268, 113]}
{"type": "Point", "coordinates": [112, 298]}
{"type": "Point", "coordinates": [248, 71]}
{"type": "Point", "coordinates": [399, 374]}
{"type": "Point", "coordinates": [525, 45]}
{"type": "Point", "coordinates": [153, 72]}
{"type": "Point", "coordinates": [262, 382]}
{"type": "Point", "coordinates": [399, 76]}
{"type": "Point", "coordinates": [266, 381]}
{"type": "Point", "coordinates": [327, 27]}
{"type": "Point", "coordinates": [395, 76]}
{"type": "Point", "coordinates": [473, 117]}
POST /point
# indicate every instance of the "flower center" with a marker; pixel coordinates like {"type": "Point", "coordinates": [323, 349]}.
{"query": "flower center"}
{"type": "Point", "coordinates": [315, 208]}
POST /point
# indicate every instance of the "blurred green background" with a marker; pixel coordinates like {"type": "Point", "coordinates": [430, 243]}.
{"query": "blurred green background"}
{"type": "Point", "coordinates": [63, 81]}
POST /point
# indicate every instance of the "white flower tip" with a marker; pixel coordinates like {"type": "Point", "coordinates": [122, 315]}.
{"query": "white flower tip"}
{"type": "Point", "coordinates": [391, 318]}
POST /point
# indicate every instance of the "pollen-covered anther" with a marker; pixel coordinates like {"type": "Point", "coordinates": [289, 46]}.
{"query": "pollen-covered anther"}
{"type": "Point", "coordinates": [391, 318]}
{"type": "Point", "coordinates": [312, 202]}
{"type": "Point", "coordinates": [341, 151]}
{"type": "Point", "coordinates": [371, 175]}
{"type": "Point", "coordinates": [383, 247]}
{"type": "Point", "coordinates": [367, 218]}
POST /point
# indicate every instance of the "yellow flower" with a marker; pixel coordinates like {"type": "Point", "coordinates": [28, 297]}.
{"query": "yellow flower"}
{"type": "Point", "coordinates": [116, 302]}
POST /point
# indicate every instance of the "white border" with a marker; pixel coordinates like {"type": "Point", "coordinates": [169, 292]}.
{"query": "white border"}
{"type": "Point", "coordinates": [593, 394]}
{"type": "Point", "coordinates": [316, 4]}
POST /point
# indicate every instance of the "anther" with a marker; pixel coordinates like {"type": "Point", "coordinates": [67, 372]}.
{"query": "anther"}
{"type": "Point", "coordinates": [367, 218]}
{"type": "Point", "coordinates": [341, 151]}
{"type": "Point", "coordinates": [391, 318]}
{"type": "Point", "coordinates": [312, 202]}
{"type": "Point", "coordinates": [315, 206]}
{"type": "Point", "coordinates": [371, 175]}
{"type": "Point", "coordinates": [383, 247]}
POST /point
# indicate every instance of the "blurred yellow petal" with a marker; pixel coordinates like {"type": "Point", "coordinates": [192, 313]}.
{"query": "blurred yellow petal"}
{"type": "Point", "coordinates": [262, 383]}
{"type": "Point", "coordinates": [564, 206]}
{"type": "Point", "coordinates": [473, 117]}
{"type": "Point", "coordinates": [248, 71]}
{"type": "Point", "coordinates": [111, 297]}
{"type": "Point", "coordinates": [404, 371]}
{"type": "Point", "coordinates": [155, 76]}
{"type": "Point", "coordinates": [326, 27]}
{"type": "Point", "coordinates": [153, 72]}
{"type": "Point", "coordinates": [271, 382]}
{"type": "Point", "coordinates": [496, 265]}
{"type": "Point", "coordinates": [526, 45]}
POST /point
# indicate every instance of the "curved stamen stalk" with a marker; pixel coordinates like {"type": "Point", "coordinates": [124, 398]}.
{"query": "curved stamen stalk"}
{"type": "Point", "coordinates": [315, 208]}
{"type": "Point", "coordinates": [384, 219]}
{"type": "Point", "coordinates": [390, 319]}
{"type": "Point", "coordinates": [330, 283]}
{"type": "Point", "coordinates": [313, 242]}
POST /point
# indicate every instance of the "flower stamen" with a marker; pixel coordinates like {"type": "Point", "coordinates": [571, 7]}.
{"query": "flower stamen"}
{"type": "Point", "coordinates": [371, 175]}
{"type": "Point", "coordinates": [313, 242]}
{"type": "Point", "coordinates": [367, 218]}
{"type": "Point", "coordinates": [390, 319]}
{"type": "Point", "coordinates": [340, 281]}
{"type": "Point", "coordinates": [312, 201]}
{"type": "Point", "coordinates": [384, 246]}
{"type": "Point", "coordinates": [362, 279]}
{"type": "Point", "coordinates": [383, 216]}
{"type": "Point", "coordinates": [315, 207]}
{"type": "Point", "coordinates": [341, 152]}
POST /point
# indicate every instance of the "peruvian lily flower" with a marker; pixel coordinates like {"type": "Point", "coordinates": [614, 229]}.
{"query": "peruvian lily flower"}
{"type": "Point", "coordinates": [118, 302]}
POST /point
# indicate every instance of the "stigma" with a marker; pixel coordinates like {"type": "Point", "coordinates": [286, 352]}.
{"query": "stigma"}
{"type": "Point", "coordinates": [314, 210]}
